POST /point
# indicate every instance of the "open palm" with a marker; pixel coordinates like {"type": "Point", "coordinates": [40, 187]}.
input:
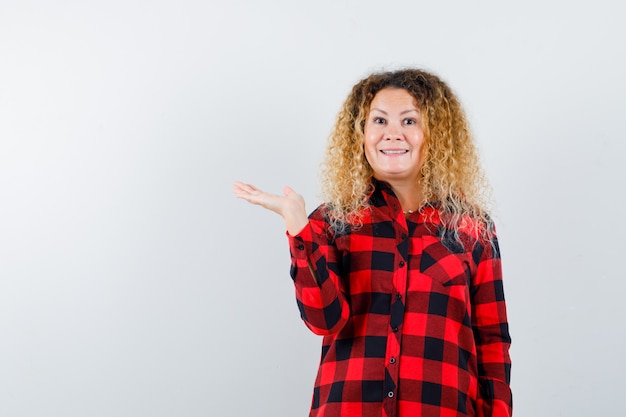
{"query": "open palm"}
{"type": "Point", "coordinates": [290, 206]}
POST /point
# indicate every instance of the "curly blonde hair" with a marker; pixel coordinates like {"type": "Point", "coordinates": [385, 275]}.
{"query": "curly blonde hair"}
{"type": "Point", "coordinates": [451, 178]}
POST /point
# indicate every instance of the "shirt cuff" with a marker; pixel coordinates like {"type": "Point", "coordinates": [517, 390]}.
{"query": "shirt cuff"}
{"type": "Point", "coordinates": [299, 243]}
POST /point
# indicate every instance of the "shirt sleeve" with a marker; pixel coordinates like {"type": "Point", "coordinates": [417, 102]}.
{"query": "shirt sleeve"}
{"type": "Point", "coordinates": [491, 330]}
{"type": "Point", "coordinates": [315, 271]}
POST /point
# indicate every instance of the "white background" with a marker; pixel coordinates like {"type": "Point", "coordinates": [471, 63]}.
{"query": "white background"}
{"type": "Point", "coordinates": [133, 283]}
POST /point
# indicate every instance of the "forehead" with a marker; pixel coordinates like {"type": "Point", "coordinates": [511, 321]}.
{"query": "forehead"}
{"type": "Point", "coordinates": [393, 97]}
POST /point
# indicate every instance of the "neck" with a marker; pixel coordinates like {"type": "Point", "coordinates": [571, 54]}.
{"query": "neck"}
{"type": "Point", "coordinates": [409, 195]}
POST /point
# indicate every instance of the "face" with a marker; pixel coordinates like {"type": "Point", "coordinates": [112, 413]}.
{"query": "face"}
{"type": "Point", "coordinates": [394, 136]}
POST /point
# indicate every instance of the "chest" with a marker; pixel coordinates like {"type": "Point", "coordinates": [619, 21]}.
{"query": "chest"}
{"type": "Point", "coordinates": [406, 260]}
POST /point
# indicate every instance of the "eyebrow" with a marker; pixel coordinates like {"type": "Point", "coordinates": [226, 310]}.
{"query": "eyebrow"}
{"type": "Point", "coordinates": [402, 112]}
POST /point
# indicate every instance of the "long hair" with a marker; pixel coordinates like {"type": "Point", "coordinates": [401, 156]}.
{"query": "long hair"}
{"type": "Point", "coordinates": [450, 177]}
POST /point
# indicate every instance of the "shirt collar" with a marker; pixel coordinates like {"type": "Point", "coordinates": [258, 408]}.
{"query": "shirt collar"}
{"type": "Point", "coordinates": [382, 195]}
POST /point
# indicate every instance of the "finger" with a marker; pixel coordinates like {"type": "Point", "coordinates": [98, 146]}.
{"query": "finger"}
{"type": "Point", "coordinates": [253, 199]}
{"type": "Point", "coordinates": [244, 186]}
{"type": "Point", "coordinates": [244, 190]}
{"type": "Point", "coordinates": [240, 189]}
{"type": "Point", "coordinates": [240, 193]}
{"type": "Point", "coordinates": [255, 196]}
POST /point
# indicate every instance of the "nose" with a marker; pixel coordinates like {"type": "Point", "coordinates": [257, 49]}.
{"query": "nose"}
{"type": "Point", "coordinates": [394, 132]}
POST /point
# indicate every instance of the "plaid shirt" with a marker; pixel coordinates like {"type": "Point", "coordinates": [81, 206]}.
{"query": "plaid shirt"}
{"type": "Point", "coordinates": [413, 324]}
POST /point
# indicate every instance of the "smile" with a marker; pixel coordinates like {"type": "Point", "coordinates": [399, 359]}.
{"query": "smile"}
{"type": "Point", "coordinates": [394, 151]}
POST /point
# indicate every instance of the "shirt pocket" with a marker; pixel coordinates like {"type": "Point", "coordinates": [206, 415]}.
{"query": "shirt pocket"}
{"type": "Point", "coordinates": [445, 264]}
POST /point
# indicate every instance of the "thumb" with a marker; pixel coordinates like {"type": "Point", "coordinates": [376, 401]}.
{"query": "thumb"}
{"type": "Point", "coordinates": [288, 190]}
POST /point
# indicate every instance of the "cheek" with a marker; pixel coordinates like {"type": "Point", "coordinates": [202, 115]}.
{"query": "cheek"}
{"type": "Point", "coordinates": [419, 143]}
{"type": "Point", "coordinates": [367, 146]}
{"type": "Point", "coordinates": [422, 154]}
{"type": "Point", "coordinates": [368, 154]}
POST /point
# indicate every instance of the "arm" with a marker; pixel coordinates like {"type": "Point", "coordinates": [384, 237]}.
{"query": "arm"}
{"type": "Point", "coordinates": [314, 259]}
{"type": "Point", "coordinates": [315, 271]}
{"type": "Point", "coordinates": [491, 331]}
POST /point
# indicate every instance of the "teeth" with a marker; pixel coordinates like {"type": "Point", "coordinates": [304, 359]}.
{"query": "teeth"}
{"type": "Point", "coordinates": [390, 152]}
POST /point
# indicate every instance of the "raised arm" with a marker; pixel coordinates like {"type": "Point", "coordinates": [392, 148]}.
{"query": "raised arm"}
{"type": "Point", "coordinates": [314, 259]}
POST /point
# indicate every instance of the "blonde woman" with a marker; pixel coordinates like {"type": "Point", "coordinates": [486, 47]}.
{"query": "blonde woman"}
{"type": "Point", "coordinates": [400, 268]}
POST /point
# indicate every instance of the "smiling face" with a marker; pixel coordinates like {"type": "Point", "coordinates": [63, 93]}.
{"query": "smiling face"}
{"type": "Point", "coordinates": [393, 137]}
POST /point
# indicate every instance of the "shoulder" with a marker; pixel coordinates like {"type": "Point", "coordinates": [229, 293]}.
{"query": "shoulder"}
{"type": "Point", "coordinates": [321, 213]}
{"type": "Point", "coordinates": [473, 232]}
{"type": "Point", "coordinates": [321, 222]}
{"type": "Point", "coordinates": [322, 219]}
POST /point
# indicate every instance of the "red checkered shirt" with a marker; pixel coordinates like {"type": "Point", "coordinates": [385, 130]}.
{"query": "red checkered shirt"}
{"type": "Point", "coordinates": [414, 323]}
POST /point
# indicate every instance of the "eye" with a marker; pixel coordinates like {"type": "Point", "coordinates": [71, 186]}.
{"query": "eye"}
{"type": "Point", "coordinates": [379, 120]}
{"type": "Point", "coordinates": [410, 122]}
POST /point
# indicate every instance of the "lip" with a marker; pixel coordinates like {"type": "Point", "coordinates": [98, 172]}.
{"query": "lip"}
{"type": "Point", "coordinates": [394, 152]}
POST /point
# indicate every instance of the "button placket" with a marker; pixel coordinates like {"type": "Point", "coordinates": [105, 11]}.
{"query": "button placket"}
{"type": "Point", "coordinates": [397, 304]}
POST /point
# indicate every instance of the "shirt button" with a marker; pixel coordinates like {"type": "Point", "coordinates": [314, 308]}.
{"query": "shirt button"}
{"type": "Point", "coordinates": [392, 360]}
{"type": "Point", "coordinates": [390, 394]}
{"type": "Point", "coordinates": [395, 329]}
{"type": "Point", "coordinates": [301, 247]}
{"type": "Point", "coordinates": [404, 236]}
{"type": "Point", "coordinates": [401, 264]}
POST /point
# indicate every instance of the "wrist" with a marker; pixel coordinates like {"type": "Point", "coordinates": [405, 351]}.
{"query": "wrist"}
{"type": "Point", "coordinates": [295, 225]}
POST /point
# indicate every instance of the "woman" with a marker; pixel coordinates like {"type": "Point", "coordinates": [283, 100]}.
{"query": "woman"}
{"type": "Point", "coordinates": [400, 269]}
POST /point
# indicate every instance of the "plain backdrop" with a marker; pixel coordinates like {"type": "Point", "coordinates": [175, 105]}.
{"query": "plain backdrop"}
{"type": "Point", "coordinates": [133, 283]}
